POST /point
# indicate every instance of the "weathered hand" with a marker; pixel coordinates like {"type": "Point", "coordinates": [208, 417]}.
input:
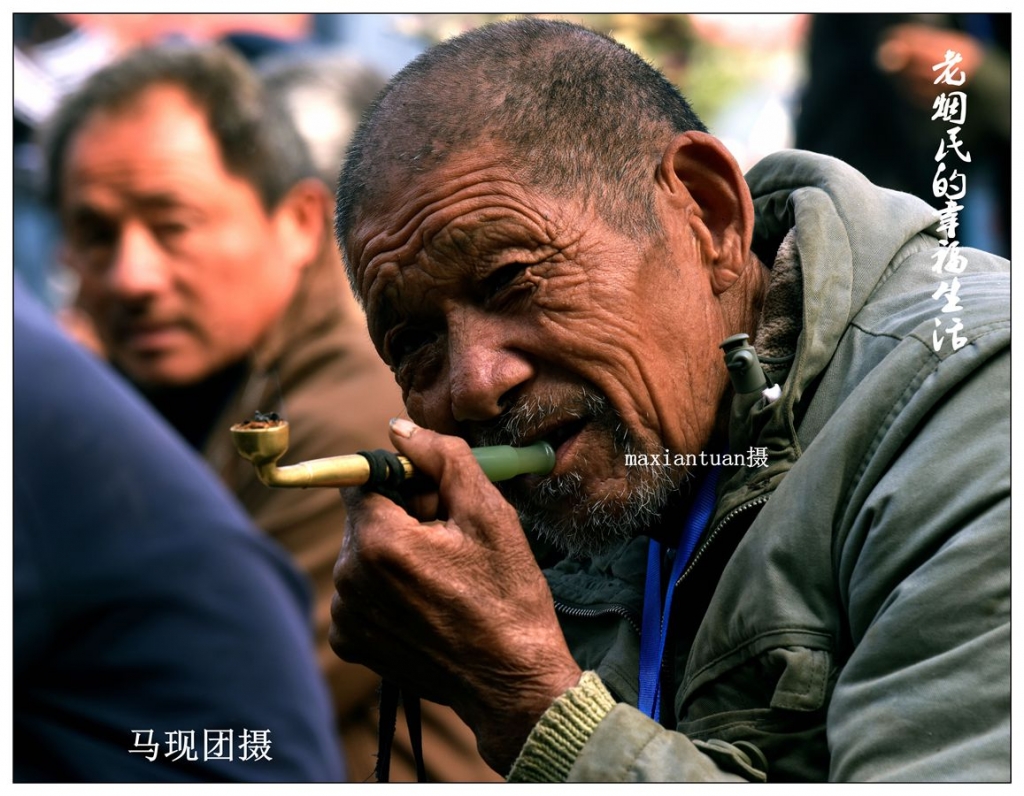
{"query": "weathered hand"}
{"type": "Point", "coordinates": [450, 602]}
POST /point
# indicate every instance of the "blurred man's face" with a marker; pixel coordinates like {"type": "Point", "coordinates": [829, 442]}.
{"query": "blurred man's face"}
{"type": "Point", "coordinates": [181, 267]}
{"type": "Point", "coordinates": [509, 316]}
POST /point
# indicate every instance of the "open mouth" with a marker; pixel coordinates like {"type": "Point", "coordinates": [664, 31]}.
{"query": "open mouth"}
{"type": "Point", "coordinates": [559, 436]}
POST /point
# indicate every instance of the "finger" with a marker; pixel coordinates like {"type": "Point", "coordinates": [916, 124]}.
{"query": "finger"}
{"type": "Point", "coordinates": [464, 490]}
{"type": "Point", "coordinates": [434, 455]}
{"type": "Point", "coordinates": [424, 503]}
{"type": "Point", "coordinates": [381, 539]}
{"type": "Point", "coordinates": [363, 507]}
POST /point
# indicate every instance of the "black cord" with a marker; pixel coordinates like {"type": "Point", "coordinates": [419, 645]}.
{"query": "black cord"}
{"type": "Point", "coordinates": [386, 474]}
{"type": "Point", "coordinates": [387, 716]}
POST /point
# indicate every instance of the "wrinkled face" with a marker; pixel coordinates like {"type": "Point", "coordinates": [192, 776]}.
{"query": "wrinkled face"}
{"type": "Point", "coordinates": [180, 265]}
{"type": "Point", "coordinates": [511, 317]}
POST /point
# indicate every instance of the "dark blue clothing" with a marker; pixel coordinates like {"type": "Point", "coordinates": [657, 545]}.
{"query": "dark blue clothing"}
{"type": "Point", "coordinates": [144, 600]}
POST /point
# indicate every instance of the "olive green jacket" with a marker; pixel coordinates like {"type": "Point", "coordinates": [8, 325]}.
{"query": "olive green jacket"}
{"type": "Point", "coordinates": [847, 614]}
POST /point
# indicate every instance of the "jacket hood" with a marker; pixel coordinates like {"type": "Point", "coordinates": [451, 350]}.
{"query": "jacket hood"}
{"type": "Point", "coordinates": [842, 235]}
{"type": "Point", "coordinates": [846, 232]}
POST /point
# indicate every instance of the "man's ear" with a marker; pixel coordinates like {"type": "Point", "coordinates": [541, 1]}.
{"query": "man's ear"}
{"type": "Point", "coordinates": [696, 166]}
{"type": "Point", "coordinates": [300, 220]}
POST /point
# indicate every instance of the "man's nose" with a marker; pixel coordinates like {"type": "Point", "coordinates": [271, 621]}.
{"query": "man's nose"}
{"type": "Point", "coordinates": [484, 369]}
{"type": "Point", "coordinates": [140, 265]}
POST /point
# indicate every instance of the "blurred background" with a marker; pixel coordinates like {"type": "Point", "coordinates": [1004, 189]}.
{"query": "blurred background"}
{"type": "Point", "coordinates": [748, 75]}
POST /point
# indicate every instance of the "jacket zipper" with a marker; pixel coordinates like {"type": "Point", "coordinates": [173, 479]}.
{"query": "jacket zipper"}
{"type": "Point", "coordinates": [758, 501]}
{"type": "Point", "coordinates": [590, 613]}
{"type": "Point", "coordinates": [624, 611]}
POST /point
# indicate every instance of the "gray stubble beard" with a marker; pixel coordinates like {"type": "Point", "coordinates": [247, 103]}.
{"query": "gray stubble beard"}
{"type": "Point", "coordinates": [592, 525]}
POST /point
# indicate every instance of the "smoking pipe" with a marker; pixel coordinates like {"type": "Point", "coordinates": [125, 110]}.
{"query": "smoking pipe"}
{"type": "Point", "coordinates": [264, 439]}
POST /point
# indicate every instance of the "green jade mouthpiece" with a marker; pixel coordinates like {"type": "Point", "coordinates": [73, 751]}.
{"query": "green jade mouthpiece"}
{"type": "Point", "coordinates": [501, 462]}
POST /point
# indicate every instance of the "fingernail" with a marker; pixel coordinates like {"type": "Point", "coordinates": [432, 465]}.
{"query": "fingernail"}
{"type": "Point", "coordinates": [402, 427]}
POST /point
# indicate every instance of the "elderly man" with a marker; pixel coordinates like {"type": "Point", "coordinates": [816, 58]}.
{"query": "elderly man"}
{"type": "Point", "coordinates": [808, 577]}
{"type": "Point", "coordinates": [201, 232]}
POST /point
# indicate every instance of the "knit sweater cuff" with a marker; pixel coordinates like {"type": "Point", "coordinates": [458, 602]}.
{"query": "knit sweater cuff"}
{"type": "Point", "coordinates": [563, 729]}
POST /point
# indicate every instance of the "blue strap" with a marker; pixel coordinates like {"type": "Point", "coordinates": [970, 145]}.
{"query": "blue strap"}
{"type": "Point", "coordinates": [655, 618]}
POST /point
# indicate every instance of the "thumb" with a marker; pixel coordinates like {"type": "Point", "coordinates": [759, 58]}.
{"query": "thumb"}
{"type": "Point", "coordinates": [465, 494]}
{"type": "Point", "coordinates": [448, 461]}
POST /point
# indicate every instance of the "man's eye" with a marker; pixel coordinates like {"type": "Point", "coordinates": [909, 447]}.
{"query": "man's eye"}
{"type": "Point", "coordinates": [503, 277]}
{"type": "Point", "coordinates": [168, 231]}
{"type": "Point", "coordinates": [405, 342]}
{"type": "Point", "coordinates": [93, 236]}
